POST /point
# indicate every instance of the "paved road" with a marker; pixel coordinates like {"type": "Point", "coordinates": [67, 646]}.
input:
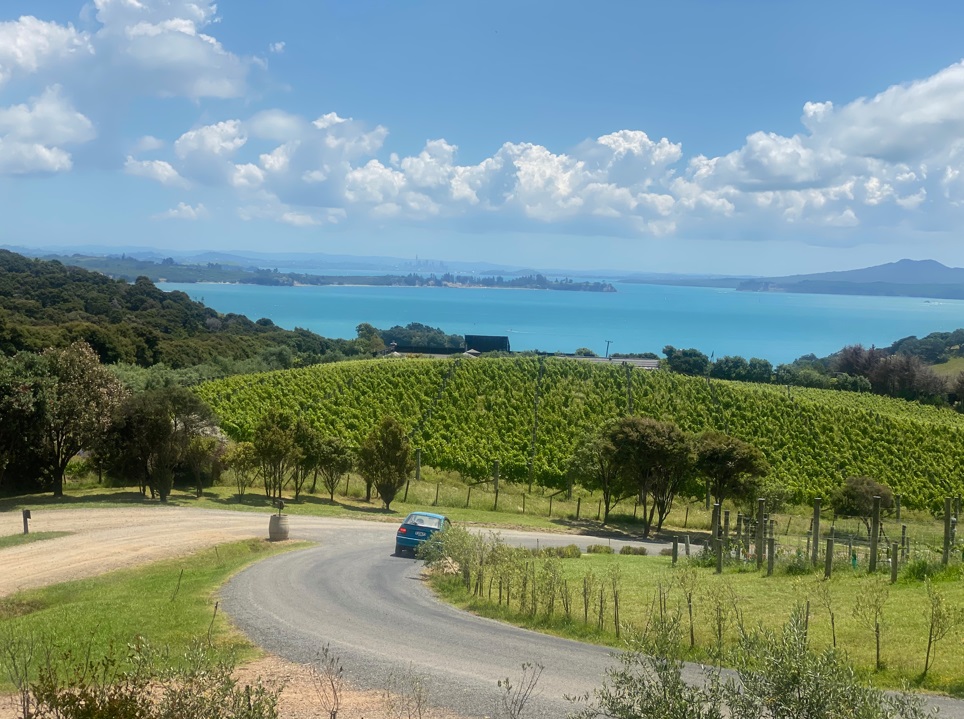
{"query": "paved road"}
{"type": "Point", "coordinates": [381, 620]}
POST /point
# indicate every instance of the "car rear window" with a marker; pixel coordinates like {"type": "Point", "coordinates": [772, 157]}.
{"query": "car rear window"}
{"type": "Point", "coordinates": [423, 521]}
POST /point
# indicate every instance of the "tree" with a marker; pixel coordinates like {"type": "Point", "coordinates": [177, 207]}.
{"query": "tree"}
{"type": "Point", "coordinates": [689, 361]}
{"type": "Point", "coordinates": [277, 450]}
{"type": "Point", "coordinates": [385, 460]}
{"type": "Point", "coordinates": [855, 498]}
{"type": "Point", "coordinates": [655, 457]}
{"type": "Point", "coordinates": [731, 368]}
{"type": "Point", "coordinates": [732, 467]}
{"type": "Point", "coordinates": [594, 466]}
{"type": "Point", "coordinates": [202, 456]}
{"type": "Point", "coordinates": [152, 434]}
{"type": "Point", "coordinates": [334, 461]}
{"type": "Point", "coordinates": [19, 394]}
{"type": "Point", "coordinates": [759, 370]}
{"type": "Point", "coordinates": [308, 441]}
{"type": "Point", "coordinates": [77, 399]}
{"type": "Point", "coordinates": [369, 338]}
{"type": "Point", "coordinates": [243, 461]}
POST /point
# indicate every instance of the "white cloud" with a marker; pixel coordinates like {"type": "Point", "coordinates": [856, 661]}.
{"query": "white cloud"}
{"type": "Point", "coordinates": [159, 48]}
{"type": "Point", "coordinates": [183, 211]}
{"type": "Point", "coordinates": [48, 119]}
{"type": "Point", "coordinates": [28, 44]}
{"type": "Point", "coordinates": [222, 139]}
{"type": "Point", "coordinates": [247, 176]}
{"type": "Point", "coordinates": [31, 134]}
{"type": "Point", "coordinates": [148, 143]}
{"type": "Point", "coordinates": [157, 170]}
{"type": "Point", "coordinates": [19, 158]}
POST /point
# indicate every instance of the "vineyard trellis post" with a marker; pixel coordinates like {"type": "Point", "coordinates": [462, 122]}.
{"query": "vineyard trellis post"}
{"type": "Point", "coordinates": [947, 532]}
{"type": "Point", "coordinates": [760, 511]}
{"type": "Point", "coordinates": [893, 562]}
{"type": "Point", "coordinates": [816, 531]}
{"type": "Point", "coordinates": [874, 534]}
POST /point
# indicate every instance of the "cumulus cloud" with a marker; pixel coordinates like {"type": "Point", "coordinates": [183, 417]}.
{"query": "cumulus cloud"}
{"type": "Point", "coordinates": [160, 47]}
{"type": "Point", "coordinates": [157, 170]}
{"type": "Point", "coordinates": [877, 161]}
{"type": "Point", "coordinates": [32, 134]}
{"type": "Point", "coordinates": [28, 44]}
{"type": "Point", "coordinates": [183, 211]}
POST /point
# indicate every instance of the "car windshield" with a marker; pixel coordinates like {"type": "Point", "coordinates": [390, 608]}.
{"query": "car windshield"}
{"type": "Point", "coordinates": [424, 521]}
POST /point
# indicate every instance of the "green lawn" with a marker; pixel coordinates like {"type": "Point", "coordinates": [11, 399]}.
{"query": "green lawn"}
{"type": "Point", "coordinates": [170, 604]}
{"type": "Point", "coordinates": [761, 600]}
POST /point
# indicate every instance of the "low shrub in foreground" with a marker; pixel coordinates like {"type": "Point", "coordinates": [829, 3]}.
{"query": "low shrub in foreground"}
{"type": "Point", "coordinates": [778, 677]}
{"type": "Point", "coordinates": [636, 551]}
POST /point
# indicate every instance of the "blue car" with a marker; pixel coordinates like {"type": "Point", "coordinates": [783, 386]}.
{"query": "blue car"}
{"type": "Point", "coordinates": [417, 528]}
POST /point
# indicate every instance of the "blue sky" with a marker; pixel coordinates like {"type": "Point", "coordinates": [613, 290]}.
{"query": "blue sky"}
{"type": "Point", "coordinates": [739, 137]}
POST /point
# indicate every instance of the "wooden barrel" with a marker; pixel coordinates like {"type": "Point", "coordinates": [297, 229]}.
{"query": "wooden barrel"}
{"type": "Point", "coordinates": [278, 527]}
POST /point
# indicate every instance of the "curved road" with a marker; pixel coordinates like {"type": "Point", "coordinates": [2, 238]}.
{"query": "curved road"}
{"type": "Point", "coordinates": [382, 621]}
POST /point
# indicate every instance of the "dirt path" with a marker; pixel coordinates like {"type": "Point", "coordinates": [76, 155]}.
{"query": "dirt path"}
{"type": "Point", "coordinates": [105, 540]}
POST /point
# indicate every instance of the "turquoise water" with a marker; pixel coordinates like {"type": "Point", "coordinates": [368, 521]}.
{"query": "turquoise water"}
{"type": "Point", "coordinates": [637, 318]}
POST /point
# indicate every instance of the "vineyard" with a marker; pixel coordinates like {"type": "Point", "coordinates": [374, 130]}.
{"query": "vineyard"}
{"type": "Point", "coordinates": [528, 413]}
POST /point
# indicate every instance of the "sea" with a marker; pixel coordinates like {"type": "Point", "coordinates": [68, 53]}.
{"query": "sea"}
{"type": "Point", "coordinates": [778, 327]}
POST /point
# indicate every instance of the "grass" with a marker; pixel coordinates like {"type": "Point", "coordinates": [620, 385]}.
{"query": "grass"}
{"type": "Point", "coordinates": [169, 603]}
{"type": "Point", "coordinates": [950, 369]}
{"type": "Point", "coordinates": [762, 600]}
{"type": "Point", "coordinates": [15, 540]}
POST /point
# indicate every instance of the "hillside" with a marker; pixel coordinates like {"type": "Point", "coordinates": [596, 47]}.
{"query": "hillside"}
{"type": "Point", "coordinates": [465, 414]}
{"type": "Point", "coordinates": [904, 278]}
{"type": "Point", "coordinates": [47, 304]}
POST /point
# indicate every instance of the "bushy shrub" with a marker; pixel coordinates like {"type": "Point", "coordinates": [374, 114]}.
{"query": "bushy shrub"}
{"type": "Point", "coordinates": [637, 551]}
{"type": "Point", "coordinates": [599, 549]}
{"type": "Point", "coordinates": [778, 676]}
{"type": "Point", "coordinates": [570, 551]}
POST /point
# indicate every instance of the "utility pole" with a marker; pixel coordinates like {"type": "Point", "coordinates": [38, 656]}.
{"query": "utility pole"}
{"type": "Point", "coordinates": [608, 342]}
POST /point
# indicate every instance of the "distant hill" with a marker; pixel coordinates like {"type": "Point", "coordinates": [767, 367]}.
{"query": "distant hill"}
{"type": "Point", "coordinates": [48, 304]}
{"type": "Point", "coordinates": [904, 278]}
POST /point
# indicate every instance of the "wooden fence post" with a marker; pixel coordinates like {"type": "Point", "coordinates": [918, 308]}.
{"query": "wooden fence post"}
{"type": "Point", "coordinates": [874, 534]}
{"type": "Point", "coordinates": [947, 531]}
{"type": "Point", "coordinates": [760, 511]}
{"type": "Point", "coordinates": [816, 531]}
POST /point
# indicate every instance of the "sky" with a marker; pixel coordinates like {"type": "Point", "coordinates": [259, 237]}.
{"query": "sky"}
{"type": "Point", "coordinates": [745, 137]}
